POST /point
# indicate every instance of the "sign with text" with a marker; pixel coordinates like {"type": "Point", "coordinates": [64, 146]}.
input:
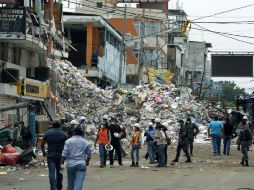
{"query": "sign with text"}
{"type": "Point", "coordinates": [13, 23]}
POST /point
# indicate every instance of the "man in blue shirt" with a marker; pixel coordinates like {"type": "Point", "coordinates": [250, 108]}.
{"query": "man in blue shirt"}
{"type": "Point", "coordinates": [77, 151]}
{"type": "Point", "coordinates": [55, 138]}
{"type": "Point", "coordinates": [215, 130]}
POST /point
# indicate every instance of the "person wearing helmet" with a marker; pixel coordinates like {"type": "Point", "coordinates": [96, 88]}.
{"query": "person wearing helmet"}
{"type": "Point", "coordinates": [103, 138]}
{"type": "Point", "coordinates": [135, 145]}
{"type": "Point", "coordinates": [149, 134]}
{"type": "Point", "coordinates": [244, 137]}
{"type": "Point", "coordinates": [72, 126]}
{"type": "Point", "coordinates": [116, 133]}
{"type": "Point", "coordinates": [105, 120]}
{"type": "Point", "coordinates": [82, 122]}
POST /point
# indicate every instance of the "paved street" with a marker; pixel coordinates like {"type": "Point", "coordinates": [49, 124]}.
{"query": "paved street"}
{"type": "Point", "coordinates": [205, 173]}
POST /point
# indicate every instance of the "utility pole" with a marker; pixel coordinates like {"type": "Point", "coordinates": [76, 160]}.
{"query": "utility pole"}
{"type": "Point", "coordinates": [202, 79]}
{"type": "Point", "coordinates": [123, 49]}
{"type": "Point", "coordinates": [50, 33]}
{"type": "Point", "coordinates": [142, 34]}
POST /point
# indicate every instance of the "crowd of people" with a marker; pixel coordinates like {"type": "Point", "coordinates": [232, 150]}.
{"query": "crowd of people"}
{"type": "Point", "coordinates": [71, 146]}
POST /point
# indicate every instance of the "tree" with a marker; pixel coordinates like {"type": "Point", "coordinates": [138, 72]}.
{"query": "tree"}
{"type": "Point", "coordinates": [230, 92]}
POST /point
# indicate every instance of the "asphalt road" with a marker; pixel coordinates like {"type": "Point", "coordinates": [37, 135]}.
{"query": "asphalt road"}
{"type": "Point", "coordinates": [205, 173]}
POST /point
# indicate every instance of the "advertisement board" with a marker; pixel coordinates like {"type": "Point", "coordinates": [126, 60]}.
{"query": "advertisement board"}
{"type": "Point", "coordinates": [13, 23]}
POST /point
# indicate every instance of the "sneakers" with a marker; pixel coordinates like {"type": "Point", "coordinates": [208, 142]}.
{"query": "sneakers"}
{"type": "Point", "coordinates": [188, 161]}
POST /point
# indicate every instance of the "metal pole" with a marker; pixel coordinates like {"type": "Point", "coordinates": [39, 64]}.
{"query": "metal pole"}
{"type": "Point", "coordinates": [50, 37]}
{"type": "Point", "coordinates": [122, 53]}
{"type": "Point", "coordinates": [142, 34]}
{"type": "Point", "coordinates": [203, 75]}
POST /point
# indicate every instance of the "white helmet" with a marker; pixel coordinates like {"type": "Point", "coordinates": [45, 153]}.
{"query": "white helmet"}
{"type": "Point", "coordinates": [82, 118]}
{"type": "Point", "coordinates": [137, 125]}
{"type": "Point", "coordinates": [105, 117]}
{"type": "Point", "coordinates": [245, 117]}
{"type": "Point", "coordinates": [74, 122]}
{"type": "Point", "coordinates": [109, 147]}
{"type": "Point", "coordinates": [150, 124]}
{"type": "Point", "coordinates": [157, 120]}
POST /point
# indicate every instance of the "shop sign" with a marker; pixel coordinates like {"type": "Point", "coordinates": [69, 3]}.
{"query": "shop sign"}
{"type": "Point", "coordinates": [13, 23]}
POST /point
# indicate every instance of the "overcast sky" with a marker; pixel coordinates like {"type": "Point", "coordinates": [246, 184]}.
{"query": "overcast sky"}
{"type": "Point", "coordinates": [199, 8]}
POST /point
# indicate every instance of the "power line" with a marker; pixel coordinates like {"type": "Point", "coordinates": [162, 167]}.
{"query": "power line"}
{"type": "Point", "coordinates": [226, 22]}
{"type": "Point", "coordinates": [225, 35]}
{"type": "Point", "coordinates": [223, 12]}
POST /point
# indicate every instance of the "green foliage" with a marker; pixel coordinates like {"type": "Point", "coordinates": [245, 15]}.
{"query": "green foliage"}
{"type": "Point", "coordinates": [230, 92]}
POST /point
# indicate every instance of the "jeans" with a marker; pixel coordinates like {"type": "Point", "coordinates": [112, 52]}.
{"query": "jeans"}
{"type": "Point", "coordinates": [117, 148]}
{"type": "Point", "coordinates": [161, 152]}
{"type": "Point", "coordinates": [135, 148]}
{"type": "Point", "coordinates": [103, 154]}
{"type": "Point", "coordinates": [151, 150]}
{"type": "Point", "coordinates": [227, 143]}
{"type": "Point", "coordinates": [216, 140]}
{"type": "Point", "coordinates": [76, 176]}
{"type": "Point", "coordinates": [166, 153]}
{"type": "Point", "coordinates": [55, 177]}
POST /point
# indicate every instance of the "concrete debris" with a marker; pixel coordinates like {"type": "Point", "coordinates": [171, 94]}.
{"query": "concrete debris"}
{"type": "Point", "coordinates": [76, 96]}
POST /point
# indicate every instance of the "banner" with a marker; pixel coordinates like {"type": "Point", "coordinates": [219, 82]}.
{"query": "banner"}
{"type": "Point", "coordinates": [13, 23]}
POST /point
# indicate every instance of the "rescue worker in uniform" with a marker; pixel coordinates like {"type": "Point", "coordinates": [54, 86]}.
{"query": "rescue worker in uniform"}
{"type": "Point", "coordinates": [103, 138]}
{"type": "Point", "coordinates": [193, 131]}
{"type": "Point", "coordinates": [72, 126]}
{"type": "Point", "coordinates": [183, 142]}
{"type": "Point", "coordinates": [135, 145]}
{"type": "Point", "coordinates": [244, 137]}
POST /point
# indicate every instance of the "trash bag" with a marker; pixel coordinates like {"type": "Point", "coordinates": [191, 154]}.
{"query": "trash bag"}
{"type": "Point", "coordinates": [10, 158]}
{"type": "Point", "coordinates": [8, 149]}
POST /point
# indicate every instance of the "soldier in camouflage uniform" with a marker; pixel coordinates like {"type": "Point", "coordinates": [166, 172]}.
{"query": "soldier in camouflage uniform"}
{"type": "Point", "coordinates": [192, 132]}
{"type": "Point", "coordinates": [183, 142]}
{"type": "Point", "coordinates": [244, 137]}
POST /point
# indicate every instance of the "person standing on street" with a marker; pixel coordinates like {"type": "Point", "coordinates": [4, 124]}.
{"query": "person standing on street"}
{"type": "Point", "coordinates": [160, 138]}
{"type": "Point", "coordinates": [116, 133]}
{"type": "Point", "coordinates": [192, 133]}
{"type": "Point", "coordinates": [55, 138]}
{"type": "Point", "coordinates": [183, 142]}
{"type": "Point", "coordinates": [104, 139]}
{"type": "Point", "coordinates": [215, 130]}
{"type": "Point", "coordinates": [77, 151]}
{"type": "Point", "coordinates": [244, 137]}
{"type": "Point", "coordinates": [135, 145]}
{"type": "Point", "coordinates": [149, 134]}
{"type": "Point", "coordinates": [228, 133]}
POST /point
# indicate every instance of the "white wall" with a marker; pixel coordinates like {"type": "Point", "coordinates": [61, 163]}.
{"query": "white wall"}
{"type": "Point", "coordinates": [109, 64]}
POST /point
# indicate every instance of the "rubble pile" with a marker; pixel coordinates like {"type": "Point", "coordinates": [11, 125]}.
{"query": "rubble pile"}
{"type": "Point", "coordinates": [76, 96]}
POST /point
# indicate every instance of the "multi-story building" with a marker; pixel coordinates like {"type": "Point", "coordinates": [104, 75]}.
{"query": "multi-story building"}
{"type": "Point", "coordinates": [96, 48]}
{"type": "Point", "coordinates": [24, 73]}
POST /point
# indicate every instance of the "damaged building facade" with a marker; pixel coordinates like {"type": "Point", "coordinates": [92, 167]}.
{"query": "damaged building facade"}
{"type": "Point", "coordinates": [25, 30]}
{"type": "Point", "coordinates": [96, 48]}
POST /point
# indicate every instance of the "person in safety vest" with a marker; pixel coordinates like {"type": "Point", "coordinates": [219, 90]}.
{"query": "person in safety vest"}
{"type": "Point", "coordinates": [135, 144]}
{"type": "Point", "coordinates": [103, 139]}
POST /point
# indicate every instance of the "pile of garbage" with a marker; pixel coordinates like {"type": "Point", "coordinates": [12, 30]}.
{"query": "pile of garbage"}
{"type": "Point", "coordinates": [76, 96]}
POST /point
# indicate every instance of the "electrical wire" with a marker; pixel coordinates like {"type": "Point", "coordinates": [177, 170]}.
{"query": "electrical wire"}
{"type": "Point", "coordinates": [225, 35]}
{"type": "Point", "coordinates": [223, 12]}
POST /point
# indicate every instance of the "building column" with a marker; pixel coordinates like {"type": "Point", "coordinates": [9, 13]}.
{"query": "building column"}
{"type": "Point", "coordinates": [89, 45]}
